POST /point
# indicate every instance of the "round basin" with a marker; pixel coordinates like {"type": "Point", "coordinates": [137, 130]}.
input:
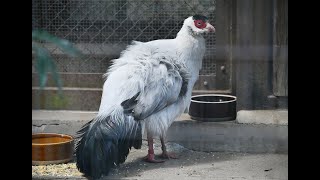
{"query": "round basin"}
{"type": "Point", "coordinates": [51, 148]}
{"type": "Point", "coordinates": [213, 107]}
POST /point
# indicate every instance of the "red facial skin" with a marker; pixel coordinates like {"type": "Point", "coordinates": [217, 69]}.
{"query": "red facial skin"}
{"type": "Point", "coordinates": [200, 24]}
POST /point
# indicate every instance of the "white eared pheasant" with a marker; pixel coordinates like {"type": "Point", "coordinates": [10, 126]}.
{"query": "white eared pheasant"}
{"type": "Point", "coordinates": [146, 88]}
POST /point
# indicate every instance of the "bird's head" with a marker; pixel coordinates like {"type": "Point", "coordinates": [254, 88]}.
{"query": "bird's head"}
{"type": "Point", "coordinates": [198, 24]}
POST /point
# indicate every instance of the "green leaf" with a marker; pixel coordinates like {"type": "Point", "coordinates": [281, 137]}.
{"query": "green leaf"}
{"type": "Point", "coordinates": [42, 63]}
{"type": "Point", "coordinates": [56, 76]}
{"type": "Point", "coordinates": [63, 44]}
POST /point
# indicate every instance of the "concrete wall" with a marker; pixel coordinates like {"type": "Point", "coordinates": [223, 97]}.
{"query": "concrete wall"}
{"type": "Point", "coordinates": [196, 135]}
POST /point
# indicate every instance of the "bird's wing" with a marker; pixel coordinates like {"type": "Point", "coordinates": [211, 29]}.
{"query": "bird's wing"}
{"type": "Point", "coordinates": [145, 81]}
{"type": "Point", "coordinates": [165, 85]}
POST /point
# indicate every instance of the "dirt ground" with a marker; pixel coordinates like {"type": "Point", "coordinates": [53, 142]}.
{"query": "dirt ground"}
{"type": "Point", "coordinates": [190, 165]}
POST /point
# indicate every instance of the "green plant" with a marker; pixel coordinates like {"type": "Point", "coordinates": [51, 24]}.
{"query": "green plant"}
{"type": "Point", "coordinates": [44, 62]}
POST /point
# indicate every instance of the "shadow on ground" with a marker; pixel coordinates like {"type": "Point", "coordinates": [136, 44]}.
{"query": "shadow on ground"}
{"type": "Point", "coordinates": [190, 165]}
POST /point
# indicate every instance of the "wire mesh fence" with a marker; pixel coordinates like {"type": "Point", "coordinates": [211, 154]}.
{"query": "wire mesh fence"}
{"type": "Point", "coordinates": [102, 28]}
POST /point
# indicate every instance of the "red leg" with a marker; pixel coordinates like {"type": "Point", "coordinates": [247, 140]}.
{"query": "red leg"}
{"type": "Point", "coordinates": [150, 156]}
{"type": "Point", "coordinates": [165, 153]}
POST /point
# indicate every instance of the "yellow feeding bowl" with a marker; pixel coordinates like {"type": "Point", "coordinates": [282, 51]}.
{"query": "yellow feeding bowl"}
{"type": "Point", "coordinates": [51, 148]}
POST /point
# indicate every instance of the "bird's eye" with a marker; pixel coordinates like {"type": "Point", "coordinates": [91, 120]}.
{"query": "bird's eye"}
{"type": "Point", "coordinates": [200, 24]}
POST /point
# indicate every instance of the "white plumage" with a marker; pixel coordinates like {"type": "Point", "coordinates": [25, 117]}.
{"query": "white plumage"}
{"type": "Point", "coordinates": [149, 86]}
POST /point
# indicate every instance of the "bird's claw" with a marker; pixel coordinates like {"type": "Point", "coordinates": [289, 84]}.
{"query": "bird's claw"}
{"type": "Point", "coordinates": [150, 158]}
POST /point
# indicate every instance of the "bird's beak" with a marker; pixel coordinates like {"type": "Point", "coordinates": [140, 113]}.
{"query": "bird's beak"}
{"type": "Point", "coordinates": [210, 28]}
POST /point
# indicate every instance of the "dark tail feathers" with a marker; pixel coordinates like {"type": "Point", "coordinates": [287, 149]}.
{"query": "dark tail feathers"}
{"type": "Point", "coordinates": [105, 143]}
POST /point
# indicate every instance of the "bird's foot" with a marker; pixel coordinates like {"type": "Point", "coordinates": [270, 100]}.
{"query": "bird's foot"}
{"type": "Point", "coordinates": [150, 158]}
{"type": "Point", "coordinates": [166, 155]}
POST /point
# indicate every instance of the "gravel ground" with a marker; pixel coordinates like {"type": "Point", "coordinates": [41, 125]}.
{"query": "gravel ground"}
{"type": "Point", "coordinates": [190, 165]}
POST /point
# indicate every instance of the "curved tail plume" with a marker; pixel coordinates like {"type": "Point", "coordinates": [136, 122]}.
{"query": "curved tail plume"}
{"type": "Point", "coordinates": [105, 142]}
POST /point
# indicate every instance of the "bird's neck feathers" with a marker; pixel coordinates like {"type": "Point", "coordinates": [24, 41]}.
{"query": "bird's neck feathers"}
{"type": "Point", "coordinates": [186, 33]}
{"type": "Point", "coordinates": [192, 47]}
{"type": "Point", "coordinates": [191, 44]}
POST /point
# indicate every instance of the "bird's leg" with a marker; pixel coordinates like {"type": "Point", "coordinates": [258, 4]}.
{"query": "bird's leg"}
{"type": "Point", "coordinates": [150, 156]}
{"type": "Point", "coordinates": [165, 153]}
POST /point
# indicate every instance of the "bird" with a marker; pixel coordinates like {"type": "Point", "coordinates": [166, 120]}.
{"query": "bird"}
{"type": "Point", "coordinates": [145, 90]}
